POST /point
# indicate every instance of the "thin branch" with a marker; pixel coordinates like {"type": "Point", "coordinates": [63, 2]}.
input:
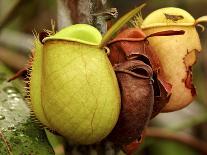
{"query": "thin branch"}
{"type": "Point", "coordinates": [179, 137]}
{"type": "Point", "coordinates": [8, 146]}
{"type": "Point", "coordinates": [8, 57]}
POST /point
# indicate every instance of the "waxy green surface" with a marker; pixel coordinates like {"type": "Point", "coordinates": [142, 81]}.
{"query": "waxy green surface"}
{"type": "Point", "coordinates": [73, 87]}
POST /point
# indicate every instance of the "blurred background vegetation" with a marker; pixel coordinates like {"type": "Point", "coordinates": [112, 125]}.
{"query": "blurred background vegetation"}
{"type": "Point", "coordinates": [181, 133]}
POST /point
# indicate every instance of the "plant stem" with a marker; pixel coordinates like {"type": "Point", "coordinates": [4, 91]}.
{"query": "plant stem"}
{"type": "Point", "coordinates": [63, 15]}
{"type": "Point", "coordinates": [8, 146]}
{"type": "Point", "coordinates": [178, 137]}
{"type": "Point", "coordinates": [8, 57]}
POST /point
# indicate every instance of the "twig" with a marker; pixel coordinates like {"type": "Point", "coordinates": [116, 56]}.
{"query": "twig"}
{"type": "Point", "coordinates": [8, 146]}
{"type": "Point", "coordinates": [8, 57]}
{"type": "Point", "coordinates": [179, 137]}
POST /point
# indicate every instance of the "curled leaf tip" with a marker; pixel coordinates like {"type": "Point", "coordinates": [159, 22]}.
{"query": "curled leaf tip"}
{"type": "Point", "coordinates": [202, 19]}
{"type": "Point", "coordinates": [201, 26]}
